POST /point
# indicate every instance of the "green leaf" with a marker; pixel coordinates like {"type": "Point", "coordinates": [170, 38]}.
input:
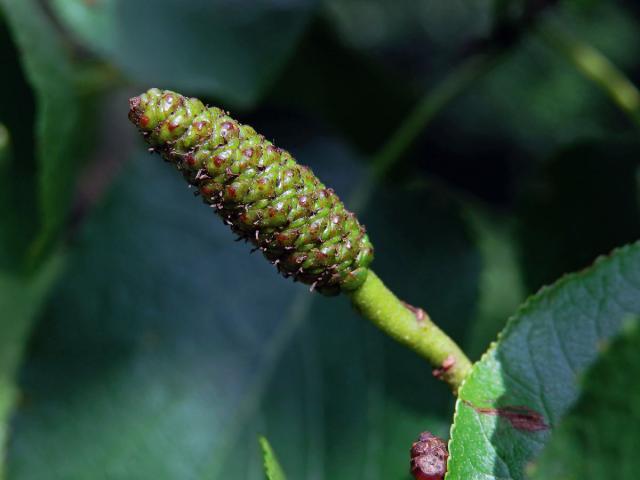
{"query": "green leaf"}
{"type": "Point", "coordinates": [21, 295]}
{"type": "Point", "coordinates": [524, 385]}
{"type": "Point", "coordinates": [19, 216]}
{"type": "Point", "coordinates": [59, 130]}
{"type": "Point", "coordinates": [599, 436]}
{"type": "Point", "coordinates": [217, 48]}
{"type": "Point", "coordinates": [272, 467]}
{"type": "Point", "coordinates": [167, 348]}
{"type": "Point", "coordinates": [20, 301]}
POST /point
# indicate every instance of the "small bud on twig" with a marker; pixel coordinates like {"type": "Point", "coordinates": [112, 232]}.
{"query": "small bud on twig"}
{"type": "Point", "coordinates": [429, 457]}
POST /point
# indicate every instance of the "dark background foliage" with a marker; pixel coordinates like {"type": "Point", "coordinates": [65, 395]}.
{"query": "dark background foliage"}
{"type": "Point", "coordinates": [137, 340]}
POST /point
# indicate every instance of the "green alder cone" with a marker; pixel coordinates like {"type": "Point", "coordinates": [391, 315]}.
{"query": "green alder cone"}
{"type": "Point", "coordinates": [259, 190]}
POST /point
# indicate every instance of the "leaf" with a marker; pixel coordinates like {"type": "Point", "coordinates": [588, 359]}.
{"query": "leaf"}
{"type": "Point", "coordinates": [19, 218]}
{"type": "Point", "coordinates": [20, 301]}
{"type": "Point", "coordinates": [272, 467]}
{"type": "Point", "coordinates": [216, 48]}
{"type": "Point", "coordinates": [525, 384]}
{"type": "Point", "coordinates": [167, 348]}
{"type": "Point", "coordinates": [58, 130]}
{"type": "Point", "coordinates": [21, 295]}
{"type": "Point", "coordinates": [599, 436]}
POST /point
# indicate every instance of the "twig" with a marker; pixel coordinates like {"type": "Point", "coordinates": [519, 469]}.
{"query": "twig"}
{"type": "Point", "coordinates": [595, 66]}
{"type": "Point", "coordinates": [411, 327]}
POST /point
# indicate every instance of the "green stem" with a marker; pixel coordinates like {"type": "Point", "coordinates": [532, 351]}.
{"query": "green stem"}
{"type": "Point", "coordinates": [594, 65]}
{"type": "Point", "coordinates": [408, 325]}
{"type": "Point", "coordinates": [411, 327]}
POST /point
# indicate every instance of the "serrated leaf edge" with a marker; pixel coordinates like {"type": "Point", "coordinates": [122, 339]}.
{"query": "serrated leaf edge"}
{"type": "Point", "coordinates": [272, 468]}
{"type": "Point", "coordinates": [514, 319]}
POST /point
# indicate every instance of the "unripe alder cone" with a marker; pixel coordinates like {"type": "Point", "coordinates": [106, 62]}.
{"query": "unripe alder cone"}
{"type": "Point", "coordinates": [259, 190]}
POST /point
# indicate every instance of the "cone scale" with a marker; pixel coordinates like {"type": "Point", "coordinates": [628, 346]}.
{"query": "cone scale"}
{"type": "Point", "coordinates": [259, 190]}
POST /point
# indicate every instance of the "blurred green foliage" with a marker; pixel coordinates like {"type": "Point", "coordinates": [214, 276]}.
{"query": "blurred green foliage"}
{"type": "Point", "coordinates": [137, 340]}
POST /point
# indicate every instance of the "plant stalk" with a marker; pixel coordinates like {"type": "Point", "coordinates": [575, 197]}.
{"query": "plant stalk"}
{"type": "Point", "coordinates": [412, 327]}
{"type": "Point", "coordinates": [595, 66]}
{"type": "Point", "coordinates": [409, 325]}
